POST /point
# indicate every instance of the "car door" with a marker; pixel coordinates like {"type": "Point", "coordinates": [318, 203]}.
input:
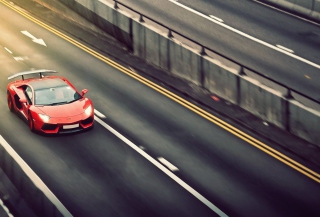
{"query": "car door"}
{"type": "Point", "coordinates": [28, 102]}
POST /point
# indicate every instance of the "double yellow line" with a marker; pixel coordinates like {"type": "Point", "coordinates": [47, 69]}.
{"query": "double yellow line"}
{"type": "Point", "coordinates": [254, 142]}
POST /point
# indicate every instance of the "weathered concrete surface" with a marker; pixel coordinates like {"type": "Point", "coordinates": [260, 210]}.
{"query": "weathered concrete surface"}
{"type": "Point", "coordinates": [304, 122]}
{"type": "Point", "coordinates": [262, 101]}
{"type": "Point", "coordinates": [309, 9]}
{"type": "Point", "coordinates": [220, 79]}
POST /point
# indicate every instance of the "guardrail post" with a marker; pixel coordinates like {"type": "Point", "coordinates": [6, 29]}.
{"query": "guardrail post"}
{"type": "Point", "coordinates": [170, 34]}
{"type": "Point", "coordinates": [288, 95]}
{"type": "Point", "coordinates": [240, 74]}
{"type": "Point", "coordinates": [141, 20]}
{"type": "Point", "coordinates": [115, 4]}
{"type": "Point", "coordinates": [203, 51]}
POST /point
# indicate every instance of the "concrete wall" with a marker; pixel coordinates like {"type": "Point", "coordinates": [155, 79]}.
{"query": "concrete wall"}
{"type": "Point", "coordinates": [116, 23]}
{"type": "Point", "coordinates": [220, 79]}
{"type": "Point", "coordinates": [307, 8]}
{"type": "Point", "coordinates": [308, 4]}
{"type": "Point", "coordinates": [304, 122]}
{"type": "Point", "coordinates": [39, 198]}
{"type": "Point", "coordinates": [317, 6]}
{"type": "Point", "coordinates": [168, 53]}
{"type": "Point", "coordinates": [184, 61]}
{"type": "Point", "coordinates": [262, 101]}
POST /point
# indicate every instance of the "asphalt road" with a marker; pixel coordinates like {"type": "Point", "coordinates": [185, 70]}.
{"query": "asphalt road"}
{"type": "Point", "coordinates": [251, 37]}
{"type": "Point", "coordinates": [100, 173]}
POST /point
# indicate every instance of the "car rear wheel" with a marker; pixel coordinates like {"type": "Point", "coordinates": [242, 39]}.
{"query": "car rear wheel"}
{"type": "Point", "coordinates": [10, 103]}
{"type": "Point", "coordinates": [30, 122]}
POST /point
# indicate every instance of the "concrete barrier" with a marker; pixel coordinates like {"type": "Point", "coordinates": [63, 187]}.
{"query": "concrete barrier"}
{"type": "Point", "coordinates": [184, 62]}
{"type": "Point", "coordinates": [307, 8]}
{"type": "Point", "coordinates": [315, 14]}
{"type": "Point", "coordinates": [104, 17]}
{"type": "Point", "coordinates": [262, 101]}
{"type": "Point", "coordinates": [139, 38]}
{"type": "Point", "coordinates": [220, 79]}
{"type": "Point", "coordinates": [150, 44]}
{"type": "Point", "coordinates": [304, 122]}
{"type": "Point", "coordinates": [39, 198]}
{"type": "Point", "coordinates": [317, 6]}
{"type": "Point", "coordinates": [167, 53]}
{"type": "Point", "coordinates": [308, 4]}
{"type": "Point", "coordinates": [114, 22]}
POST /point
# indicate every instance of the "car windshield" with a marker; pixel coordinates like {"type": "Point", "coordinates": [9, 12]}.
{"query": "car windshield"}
{"type": "Point", "coordinates": [56, 96]}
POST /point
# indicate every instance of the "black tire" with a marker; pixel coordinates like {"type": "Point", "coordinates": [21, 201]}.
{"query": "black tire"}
{"type": "Point", "coordinates": [10, 102]}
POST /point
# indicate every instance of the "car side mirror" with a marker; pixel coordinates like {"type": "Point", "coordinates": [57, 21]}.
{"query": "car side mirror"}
{"type": "Point", "coordinates": [23, 100]}
{"type": "Point", "coordinates": [84, 91]}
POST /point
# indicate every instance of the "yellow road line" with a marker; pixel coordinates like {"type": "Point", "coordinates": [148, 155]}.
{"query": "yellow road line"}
{"type": "Point", "coordinates": [224, 125]}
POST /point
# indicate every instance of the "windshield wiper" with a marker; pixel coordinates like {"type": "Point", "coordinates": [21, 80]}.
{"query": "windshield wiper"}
{"type": "Point", "coordinates": [72, 100]}
{"type": "Point", "coordinates": [58, 103]}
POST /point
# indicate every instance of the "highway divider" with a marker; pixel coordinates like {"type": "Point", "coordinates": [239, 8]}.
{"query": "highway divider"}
{"type": "Point", "coordinates": [176, 58]}
{"type": "Point", "coordinates": [36, 194]}
{"type": "Point", "coordinates": [307, 8]}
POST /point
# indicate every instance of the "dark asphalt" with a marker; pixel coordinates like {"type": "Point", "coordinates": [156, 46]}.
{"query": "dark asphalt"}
{"type": "Point", "coordinates": [117, 180]}
{"type": "Point", "coordinates": [268, 25]}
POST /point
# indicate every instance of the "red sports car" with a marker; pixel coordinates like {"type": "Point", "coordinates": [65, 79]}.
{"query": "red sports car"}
{"type": "Point", "coordinates": [50, 104]}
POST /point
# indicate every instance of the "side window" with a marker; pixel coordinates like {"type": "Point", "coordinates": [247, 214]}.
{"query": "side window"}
{"type": "Point", "coordinates": [28, 93]}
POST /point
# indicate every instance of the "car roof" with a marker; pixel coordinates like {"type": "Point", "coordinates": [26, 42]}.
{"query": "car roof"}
{"type": "Point", "coordinates": [47, 82]}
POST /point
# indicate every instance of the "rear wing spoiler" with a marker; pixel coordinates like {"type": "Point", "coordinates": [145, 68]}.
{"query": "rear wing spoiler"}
{"type": "Point", "coordinates": [40, 72]}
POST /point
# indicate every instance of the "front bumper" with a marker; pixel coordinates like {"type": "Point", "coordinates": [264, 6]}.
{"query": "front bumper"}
{"type": "Point", "coordinates": [65, 125]}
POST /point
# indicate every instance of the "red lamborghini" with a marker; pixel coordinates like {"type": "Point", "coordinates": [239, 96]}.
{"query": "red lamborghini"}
{"type": "Point", "coordinates": [50, 104]}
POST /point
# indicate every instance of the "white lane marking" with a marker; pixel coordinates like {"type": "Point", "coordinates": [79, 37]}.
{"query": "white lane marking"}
{"type": "Point", "coordinates": [168, 164]}
{"type": "Point", "coordinates": [9, 51]}
{"type": "Point", "coordinates": [34, 39]}
{"type": "Point", "coordinates": [216, 18]}
{"type": "Point", "coordinates": [5, 208]}
{"type": "Point", "coordinates": [284, 48]}
{"type": "Point", "coordinates": [99, 114]}
{"type": "Point", "coordinates": [18, 59]}
{"type": "Point", "coordinates": [34, 178]}
{"type": "Point", "coordinates": [286, 12]}
{"type": "Point", "coordinates": [162, 168]}
{"type": "Point", "coordinates": [246, 35]}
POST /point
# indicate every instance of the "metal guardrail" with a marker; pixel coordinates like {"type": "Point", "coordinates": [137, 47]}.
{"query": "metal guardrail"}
{"type": "Point", "coordinates": [289, 90]}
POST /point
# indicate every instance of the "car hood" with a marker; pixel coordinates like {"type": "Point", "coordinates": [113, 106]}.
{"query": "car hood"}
{"type": "Point", "coordinates": [65, 110]}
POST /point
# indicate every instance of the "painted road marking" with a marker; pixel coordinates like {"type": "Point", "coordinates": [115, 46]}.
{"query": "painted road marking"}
{"type": "Point", "coordinates": [34, 178]}
{"type": "Point", "coordinates": [216, 18]}
{"type": "Point", "coordinates": [18, 59]}
{"type": "Point", "coordinates": [9, 51]}
{"type": "Point", "coordinates": [34, 39]}
{"type": "Point", "coordinates": [99, 114]}
{"type": "Point", "coordinates": [5, 208]}
{"type": "Point", "coordinates": [284, 48]}
{"type": "Point", "coordinates": [168, 164]}
{"type": "Point", "coordinates": [162, 168]}
{"type": "Point", "coordinates": [206, 115]}
{"type": "Point", "coordinates": [246, 35]}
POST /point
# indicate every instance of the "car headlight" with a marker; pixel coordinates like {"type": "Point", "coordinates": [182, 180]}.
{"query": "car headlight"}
{"type": "Point", "coordinates": [45, 118]}
{"type": "Point", "coordinates": [88, 110]}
